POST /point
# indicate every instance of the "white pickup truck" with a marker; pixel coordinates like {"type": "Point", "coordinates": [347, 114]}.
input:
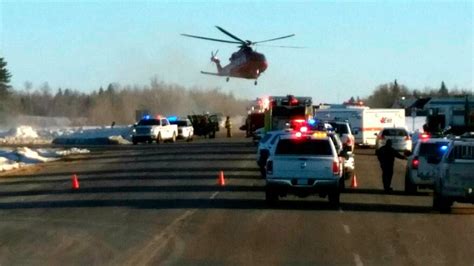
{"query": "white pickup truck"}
{"type": "Point", "coordinates": [303, 165]}
{"type": "Point", "coordinates": [154, 129]}
{"type": "Point", "coordinates": [454, 180]}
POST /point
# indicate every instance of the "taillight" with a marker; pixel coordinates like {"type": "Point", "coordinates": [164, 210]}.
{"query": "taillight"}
{"type": "Point", "coordinates": [349, 141]}
{"type": "Point", "coordinates": [414, 163]}
{"type": "Point", "coordinates": [269, 167]}
{"type": "Point", "coordinates": [335, 167]}
{"type": "Point", "coordinates": [424, 136]}
{"type": "Point", "coordinates": [380, 137]}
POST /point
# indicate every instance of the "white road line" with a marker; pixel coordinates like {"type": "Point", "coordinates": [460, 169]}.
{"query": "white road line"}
{"type": "Point", "coordinates": [357, 260]}
{"type": "Point", "coordinates": [347, 229]}
{"type": "Point", "coordinates": [214, 195]}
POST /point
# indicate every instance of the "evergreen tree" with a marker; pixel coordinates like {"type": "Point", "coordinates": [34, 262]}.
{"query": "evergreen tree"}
{"type": "Point", "coordinates": [4, 78]}
{"type": "Point", "coordinates": [443, 91]}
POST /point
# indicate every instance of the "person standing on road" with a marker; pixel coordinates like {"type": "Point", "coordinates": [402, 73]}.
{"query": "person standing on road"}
{"type": "Point", "coordinates": [386, 155]}
{"type": "Point", "coordinates": [228, 126]}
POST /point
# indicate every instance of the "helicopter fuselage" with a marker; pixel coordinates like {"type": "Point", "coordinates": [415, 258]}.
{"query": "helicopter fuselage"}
{"type": "Point", "coordinates": [244, 63]}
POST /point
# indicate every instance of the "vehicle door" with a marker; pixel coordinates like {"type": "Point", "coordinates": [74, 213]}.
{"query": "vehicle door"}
{"type": "Point", "coordinates": [165, 129]}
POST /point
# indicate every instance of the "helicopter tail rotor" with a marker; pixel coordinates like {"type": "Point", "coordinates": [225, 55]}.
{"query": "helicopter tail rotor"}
{"type": "Point", "coordinates": [213, 56]}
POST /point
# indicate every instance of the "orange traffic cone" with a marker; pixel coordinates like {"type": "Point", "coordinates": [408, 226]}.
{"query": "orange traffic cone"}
{"type": "Point", "coordinates": [220, 179]}
{"type": "Point", "coordinates": [354, 181]}
{"type": "Point", "coordinates": [75, 182]}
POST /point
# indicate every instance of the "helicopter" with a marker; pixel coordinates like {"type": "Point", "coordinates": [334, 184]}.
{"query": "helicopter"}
{"type": "Point", "coordinates": [245, 63]}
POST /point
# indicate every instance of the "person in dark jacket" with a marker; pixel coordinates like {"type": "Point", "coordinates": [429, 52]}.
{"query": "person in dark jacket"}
{"type": "Point", "coordinates": [386, 155]}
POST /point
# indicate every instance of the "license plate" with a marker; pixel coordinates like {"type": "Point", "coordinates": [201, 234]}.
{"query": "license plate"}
{"type": "Point", "coordinates": [302, 181]}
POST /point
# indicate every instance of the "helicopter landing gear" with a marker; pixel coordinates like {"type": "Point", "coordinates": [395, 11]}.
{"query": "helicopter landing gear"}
{"type": "Point", "coordinates": [227, 79]}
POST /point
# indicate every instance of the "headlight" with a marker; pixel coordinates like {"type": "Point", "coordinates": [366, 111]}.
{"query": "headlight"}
{"type": "Point", "coordinates": [134, 130]}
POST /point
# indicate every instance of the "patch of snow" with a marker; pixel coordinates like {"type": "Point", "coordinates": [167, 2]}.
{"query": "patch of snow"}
{"type": "Point", "coordinates": [18, 157]}
{"type": "Point", "coordinates": [66, 135]}
{"type": "Point", "coordinates": [6, 164]}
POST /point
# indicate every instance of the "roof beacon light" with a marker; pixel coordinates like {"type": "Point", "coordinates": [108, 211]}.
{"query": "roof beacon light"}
{"type": "Point", "coordinates": [311, 121]}
{"type": "Point", "coordinates": [172, 118]}
{"type": "Point", "coordinates": [443, 148]}
{"type": "Point", "coordinates": [146, 117]}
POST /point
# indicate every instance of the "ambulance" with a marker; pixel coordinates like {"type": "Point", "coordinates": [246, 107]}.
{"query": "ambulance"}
{"type": "Point", "coordinates": [365, 122]}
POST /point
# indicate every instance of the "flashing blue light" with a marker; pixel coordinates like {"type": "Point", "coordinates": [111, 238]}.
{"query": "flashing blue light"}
{"type": "Point", "coordinates": [146, 117]}
{"type": "Point", "coordinates": [443, 148]}
{"type": "Point", "coordinates": [172, 118]}
{"type": "Point", "coordinates": [311, 121]}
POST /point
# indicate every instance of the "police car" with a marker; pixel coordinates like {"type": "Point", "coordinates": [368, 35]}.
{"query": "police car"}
{"type": "Point", "coordinates": [185, 127]}
{"type": "Point", "coordinates": [265, 145]}
{"type": "Point", "coordinates": [419, 173]}
{"type": "Point", "coordinates": [454, 181]}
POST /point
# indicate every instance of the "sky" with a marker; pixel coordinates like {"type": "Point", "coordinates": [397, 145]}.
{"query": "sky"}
{"type": "Point", "coordinates": [351, 47]}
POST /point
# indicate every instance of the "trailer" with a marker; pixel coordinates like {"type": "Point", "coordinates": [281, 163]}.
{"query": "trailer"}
{"type": "Point", "coordinates": [365, 122]}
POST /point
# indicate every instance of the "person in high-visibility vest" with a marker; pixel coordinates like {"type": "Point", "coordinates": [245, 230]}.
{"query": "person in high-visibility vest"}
{"type": "Point", "coordinates": [228, 126]}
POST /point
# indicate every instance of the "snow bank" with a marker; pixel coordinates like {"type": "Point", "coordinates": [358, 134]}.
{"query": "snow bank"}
{"type": "Point", "coordinates": [66, 135]}
{"type": "Point", "coordinates": [97, 136]}
{"type": "Point", "coordinates": [21, 134]}
{"type": "Point", "coordinates": [18, 157]}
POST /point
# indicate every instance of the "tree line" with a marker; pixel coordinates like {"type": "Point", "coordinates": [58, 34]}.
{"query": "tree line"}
{"type": "Point", "coordinates": [385, 95]}
{"type": "Point", "coordinates": [119, 103]}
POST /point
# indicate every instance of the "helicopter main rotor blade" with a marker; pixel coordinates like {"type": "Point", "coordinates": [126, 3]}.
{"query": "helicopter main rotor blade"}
{"type": "Point", "coordinates": [231, 35]}
{"type": "Point", "coordinates": [274, 39]}
{"type": "Point", "coordinates": [281, 46]}
{"type": "Point", "coordinates": [209, 39]}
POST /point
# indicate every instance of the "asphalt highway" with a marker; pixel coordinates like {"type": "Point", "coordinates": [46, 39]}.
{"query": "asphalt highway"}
{"type": "Point", "coordinates": [161, 205]}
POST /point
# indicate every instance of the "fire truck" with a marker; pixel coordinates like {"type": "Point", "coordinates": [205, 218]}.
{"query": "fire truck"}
{"type": "Point", "coordinates": [284, 109]}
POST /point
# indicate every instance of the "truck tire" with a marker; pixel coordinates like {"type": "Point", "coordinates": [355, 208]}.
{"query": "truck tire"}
{"type": "Point", "coordinates": [441, 204]}
{"type": "Point", "coordinates": [271, 195]}
{"type": "Point", "coordinates": [410, 188]}
{"type": "Point", "coordinates": [159, 140]}
{"type": "Point", "coordinates": [334, 198]}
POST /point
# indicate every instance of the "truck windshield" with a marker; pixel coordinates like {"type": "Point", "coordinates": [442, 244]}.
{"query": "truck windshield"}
{"type": "Point", "coordinates": [395, 132]}
{"type": "Point", "coordinates": [303, 147]}
{"type": "Point", "coordinates": [432, 149]}
{"type": "Point", "coordinates": [149, 122]}
{"type": "Point", "coordinates": [340, 128]}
